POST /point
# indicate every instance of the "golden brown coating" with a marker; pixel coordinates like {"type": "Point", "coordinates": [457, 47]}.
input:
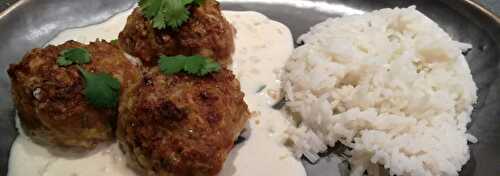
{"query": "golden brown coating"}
{"type": "Point", "coordinates": [49, 99]}
{"type": "Point", "coordinates": [181, 125]}
{"type": "Point", "coordinates": [206, 33]}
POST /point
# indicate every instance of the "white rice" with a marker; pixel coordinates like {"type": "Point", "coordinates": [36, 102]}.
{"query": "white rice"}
{"type": "Point", "coordinates": [391, 85]}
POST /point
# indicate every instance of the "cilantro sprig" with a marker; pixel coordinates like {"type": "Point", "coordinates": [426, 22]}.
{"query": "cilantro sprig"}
{"type": "Point", "coordinates": [195, 65]}
{"type": "Point", "coordinates": [114, 42]}
{"type": "Point", "coordinates": [101, 90]}
{"type": "Point", "coordinates": [73, 56]}
{"type": "Point", "coordinates": [163, 13]}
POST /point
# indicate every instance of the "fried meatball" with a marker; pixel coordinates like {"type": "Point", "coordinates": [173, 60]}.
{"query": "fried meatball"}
{"type": "Point", "coordinates": [49, 99]}
{"type": "Point", "coordinates": [180, 124]}
{"type": "Point", "coordinates": [206, 33]}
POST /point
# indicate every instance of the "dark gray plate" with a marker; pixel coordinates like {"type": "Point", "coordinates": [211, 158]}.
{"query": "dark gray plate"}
{"type": "Point", "coordinates": [32, 23]}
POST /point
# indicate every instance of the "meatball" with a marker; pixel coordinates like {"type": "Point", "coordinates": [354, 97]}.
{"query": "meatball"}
{"type": "Point", "coordinates": [181, 124]}
{"type": "Point", "coordinates": [206, 33]}
{"type": "Point", "coordinates": [49, 99]}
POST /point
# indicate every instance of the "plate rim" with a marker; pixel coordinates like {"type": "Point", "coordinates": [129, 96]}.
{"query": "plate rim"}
{"type": "Point", "coordinates": [480, 6]}
{"type": "Point", "coordinates": [490, 16]}
{"type": "Point", "coordinates": [471, 3]}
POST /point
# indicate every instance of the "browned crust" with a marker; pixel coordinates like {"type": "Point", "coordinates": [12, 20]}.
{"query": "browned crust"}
{"type": "Point", "coordinates": [49, 98]}
{"type": "Point", "coordinates": [206, 33]}
{"type": "Point", "coordinates": [181, 124]}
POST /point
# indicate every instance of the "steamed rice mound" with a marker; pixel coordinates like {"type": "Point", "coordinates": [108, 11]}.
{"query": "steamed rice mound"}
{"type": "Point", "coordinates": [391, 85]}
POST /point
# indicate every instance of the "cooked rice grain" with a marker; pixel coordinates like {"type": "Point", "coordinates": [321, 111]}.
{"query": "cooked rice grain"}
{"type": "Point", "coordinates": [390, 84]}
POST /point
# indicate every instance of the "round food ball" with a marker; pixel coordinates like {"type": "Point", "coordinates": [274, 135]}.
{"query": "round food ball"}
{"type": "Point", "coordinates": [181, 124]}
{"type": "Point", "coordinates": [49, 98]}
{"type": "Point", "coordinates": [206, 33]}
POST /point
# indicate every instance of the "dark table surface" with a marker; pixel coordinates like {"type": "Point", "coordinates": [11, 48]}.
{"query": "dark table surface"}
{"type": "Point", "coordinates": [493, 5]}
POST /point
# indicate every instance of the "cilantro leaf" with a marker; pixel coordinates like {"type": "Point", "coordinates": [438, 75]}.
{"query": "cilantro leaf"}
{"type": "Point", "coordinates": [199, 2]}
{"type": "Point", "coordinates": [101, 90]}
{"type": "Point", "coordinates": [195, 65]}
{"type": "Point", "coordinates": [163, 13]}
{"type": "Point", "coordinates": [62, 61]}
{"type": "Point", "coordinates": [172, 65]}
{"type": "Point", "coordinates": [73, 56]}
{"type": "Point", "coordinates": [159, 20]}
{"type": "Point", "coordinates": [114, 42]}
{"type": "Point", "coordinates": [150, 8]}
{"type": "Point", "coordinates": [186, 2]}
{"type": "Point", "coordinates": [176, 14]}
{"type": "Point", "coordinates": [210, 67]}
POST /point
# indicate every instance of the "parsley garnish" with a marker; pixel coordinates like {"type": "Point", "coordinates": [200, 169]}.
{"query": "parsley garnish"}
{"type": "Point", "coordinates": [101, 90]}
{"type": "Point", "coordinates": [171, 13]}
{"type": "Point", "coordinates": [195, 65]}
{"type": "Point", "coordinates": [73, 56]}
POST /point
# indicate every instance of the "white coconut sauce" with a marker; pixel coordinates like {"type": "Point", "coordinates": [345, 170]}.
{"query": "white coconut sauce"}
{"type": "Point", "coordinates": [262, 47]}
